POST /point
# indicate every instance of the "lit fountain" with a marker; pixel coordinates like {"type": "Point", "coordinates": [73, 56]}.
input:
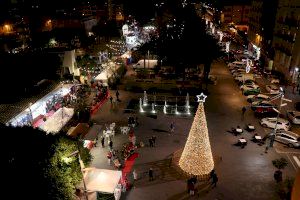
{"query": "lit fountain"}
{"type": "Point", "coordinates": [153, 110]}
{"type": "Point", "coordinates": [166, 102]}
{"type": "Point", "coordinates": [187, 104]}
{"type": "Point", "coordinates": [145, 100]}
{"type": "Point", "coordinates": [176, 111]}
{"type": "Point", "coordinates": [165, 109]}
{"type": "Point", "coordinates": [141, 105]}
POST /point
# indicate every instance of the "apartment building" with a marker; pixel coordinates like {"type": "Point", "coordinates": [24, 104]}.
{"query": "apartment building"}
{"type": "Point", "coordinates": [287, 39]}
{"type": "Point", "coordinates": [261, 27]}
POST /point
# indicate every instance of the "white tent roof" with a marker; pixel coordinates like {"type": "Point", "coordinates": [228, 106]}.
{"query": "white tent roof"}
{"type": "Point", "coordinates": [102, 76]}
{"type": "Point", "coordinates": [101, 180]}
{"type": "Point", "coordinates": [55, 123]}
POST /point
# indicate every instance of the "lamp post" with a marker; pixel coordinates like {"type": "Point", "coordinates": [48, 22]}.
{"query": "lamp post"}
{"type": "Point", "coordinates": [281, 96]}
{"type": "Point", "coordinates": [31, 116]}
{"type": "Point", "coordinates": [296, 69]}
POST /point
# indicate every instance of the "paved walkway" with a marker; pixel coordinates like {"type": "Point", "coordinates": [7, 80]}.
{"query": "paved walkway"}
{"type": "Point", "coordinates": [243, 173]}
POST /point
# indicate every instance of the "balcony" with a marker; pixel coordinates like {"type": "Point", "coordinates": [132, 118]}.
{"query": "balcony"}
{"type": "Point", "coordinates": [283, 49]}
{"type": "Point", "coordinates": [286, 37]}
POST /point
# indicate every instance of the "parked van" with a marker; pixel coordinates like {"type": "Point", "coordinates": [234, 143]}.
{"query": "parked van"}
{"type": "Point", "coordinates": [294, 116]}
{"type": "Point", "coordinates": [145, 64]}
{"type": "Point", "coordinates": [289, 138]}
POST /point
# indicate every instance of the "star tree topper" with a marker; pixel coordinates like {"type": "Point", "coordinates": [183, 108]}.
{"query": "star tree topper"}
{"type": "Point", "coordinates": [201, 97]}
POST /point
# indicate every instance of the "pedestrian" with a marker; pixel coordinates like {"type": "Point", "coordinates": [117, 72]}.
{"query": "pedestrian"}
{"type": "Point", "coordinates": [110, 144]}
{"type": "Point", "coordinates": [153, 140]}
{"type": "Point", "coordinates": [151, 174]}
{"type": "Point", "coordinates": [214, 180]}
{"type": "Point", "coordinates": [294, 86]}
{"type": "Point", "coordinates": [150, 142]}
{"type": "Point", "coordinates": [172, 127]}
{"type": "Point", "coordinates": [117, 95]}
{"type": "Point", "coordinates": [136, 121]}
{"type": "Point", "coordinates": [211, 174]}
{"type": "Point", "coordinates": [243, 112]}
{"type": "Point", "coordinates": [134, 175]}
{"type": "Point", "coordinates": [109, 157]}
{"type": "Point", "coordinates": [111, 100]}
{"type": "Point", "coordinates": [102, 141]}
{"type": "Point", "coordinates": [278, 176]}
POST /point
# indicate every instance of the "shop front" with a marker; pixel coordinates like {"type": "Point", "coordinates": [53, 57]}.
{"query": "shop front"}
{"type": "Point", "coordinates": [42, 109]}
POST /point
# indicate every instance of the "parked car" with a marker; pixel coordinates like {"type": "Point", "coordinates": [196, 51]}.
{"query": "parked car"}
{"type": "Point", "coordinates": [259, 97]}
{"type": "Point", "coordinates": [246, 82]}
{"type": "Point", "coordinates": [262, 104]}
{"type": "Point", "coordinates": [282, 124]}
{"type": "Point", "coordinates": [251, 90]}
{"type": "Point", "coordinates": [289, 138]}
{"type": "Point", "coordinates": [297, 106]}
{"type": "Point", "coordinates": [272, 89]}
{"type": "Point", "coordinates": [294, 116]}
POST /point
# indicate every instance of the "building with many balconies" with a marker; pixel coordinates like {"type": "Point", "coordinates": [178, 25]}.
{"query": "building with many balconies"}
{"type": "Point", "coordinates": [287, 39]}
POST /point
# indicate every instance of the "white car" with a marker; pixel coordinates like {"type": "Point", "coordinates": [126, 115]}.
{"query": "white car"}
{"type": "Point", "coordinates": [272, 89]}
{"type": "Point", "coordinates": [282, 124]}
{"type": "Point", "coordinates": [294, 116]}
{"type": "Point", "coordinates": [259, 97]}
{"type": "Point", "coordinates": [289, 138]}
{"type": "Point", "coordinates": [249, 87]}
{"type": "Point", "coordinates": [275, 80]}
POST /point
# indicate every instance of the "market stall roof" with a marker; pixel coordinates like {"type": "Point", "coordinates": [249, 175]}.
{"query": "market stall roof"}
{"type": "Point", "coordinates": [101, 180]}
{"type": "Point", "coordinates": [93, 132]}
{"type": "Point", "coordinates": [79, 129]}
{"type": "Point", "coordinates": [58, 120]}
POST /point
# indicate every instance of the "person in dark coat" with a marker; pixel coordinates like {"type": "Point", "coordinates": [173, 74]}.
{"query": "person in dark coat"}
{"type": "Point", "coordinates": [151, 174]}
{"type": "Point", "coordinates": [117, 95]}
{"type": "Point", "coordinates": [214, 180]}
{"type": "Point", "coordinates": [102, 141]}
{"type": "Point", "coordinates": [153, 140]}
{"type": "Point", "coordinates": [150, 142]}
{"type": "Point", "coordinates": [110, 144]}
{"type": "Point", "coordinates": [278, 176]}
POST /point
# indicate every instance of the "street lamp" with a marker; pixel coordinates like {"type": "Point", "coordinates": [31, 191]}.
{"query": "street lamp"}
{"type": "Point", "coordinates": [67, 160]}
{"type": "Point", "coordinates": [281, 96]}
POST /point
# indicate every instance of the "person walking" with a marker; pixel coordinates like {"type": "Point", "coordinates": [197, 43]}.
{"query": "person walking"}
{"type": "Point", "coordinates": [151, 174]}
{"type": "Point", "coordinates": [110, 144]}
{"type": "Point", "coordinates": [102, 141]}
{"type": "Point", "coordinates": [294, 87]}
{"type": "Point", "coordinates": [172, 127]}
{"type": "Point", "coordinates": [135, 176]}
{"type": "Point", "coordinates": [150, 142]}
{"type": "Point", "coordinates": [214, 180]}
{"type": "Point", "coordinates": [243, 112]}
{"type": "Point", "coordinates": [278, 176]}
{"type": "Point", "coordinates": [117, 95]}
{"type": "Point", "coordinates": [153, 140]}
{"type": "Point", "coordinates": [111, 100]}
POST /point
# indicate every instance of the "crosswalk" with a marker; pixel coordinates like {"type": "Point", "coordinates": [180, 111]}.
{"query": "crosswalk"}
{"type": "Point", "coordinates": [295, 160]}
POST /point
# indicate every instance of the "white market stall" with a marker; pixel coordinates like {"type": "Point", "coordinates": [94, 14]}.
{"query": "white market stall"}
{"type": "Point", "coordinates": [39, 107]}
{"type": "Point", "coordinates": [58, 120]}
{"type": "Point", "coordinates": [102, 180]}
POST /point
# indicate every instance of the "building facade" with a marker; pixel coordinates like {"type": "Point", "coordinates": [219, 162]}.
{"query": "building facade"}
{"type": "Point", "coordinates": [287, 39]}
{"type": "Point", "coordinates": [261, 28]}
{"type": "Point", "coordinates": [237, 14]}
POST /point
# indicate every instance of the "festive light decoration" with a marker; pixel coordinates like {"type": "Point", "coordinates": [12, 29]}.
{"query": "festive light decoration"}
{"type": "Point", "coordinates": [196, 158]}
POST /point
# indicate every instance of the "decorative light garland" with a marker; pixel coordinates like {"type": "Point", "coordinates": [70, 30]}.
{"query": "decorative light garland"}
{"type": "Point", "coordinates": [196, 158]}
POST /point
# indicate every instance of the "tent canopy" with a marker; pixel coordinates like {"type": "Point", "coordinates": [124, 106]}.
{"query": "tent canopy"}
{"type": "Point", "coordinates": [58, 120]}
{"type": "Point", "coordinates": [93, 132]}
{"type": "Point", "coordinates": [101, 180]}
{"type": "Point", "coordinates": [80, 129]}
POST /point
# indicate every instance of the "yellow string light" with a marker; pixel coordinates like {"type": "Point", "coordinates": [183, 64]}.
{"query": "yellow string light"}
{"type": "Point", "coordinates": [196, 158]}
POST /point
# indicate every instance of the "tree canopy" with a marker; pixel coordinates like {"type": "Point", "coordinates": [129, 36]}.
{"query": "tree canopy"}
{"type": "Point", "coordinates": [40, 166]}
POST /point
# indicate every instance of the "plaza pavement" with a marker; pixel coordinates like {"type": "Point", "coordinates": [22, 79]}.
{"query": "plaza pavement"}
{"type": "Point", "coordinates": [243, 173]}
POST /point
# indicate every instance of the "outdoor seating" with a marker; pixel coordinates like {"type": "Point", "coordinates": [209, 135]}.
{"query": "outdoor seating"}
{"type": "Point", "coordinates": [242, 142]}
{"type": "Point", "coordinates": [124, 130]}
{"type": "Point", "coordinates": [250, 128]}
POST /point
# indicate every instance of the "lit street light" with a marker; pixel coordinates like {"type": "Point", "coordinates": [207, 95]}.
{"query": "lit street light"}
{"type": "Point", "coordinates": [281, 96]}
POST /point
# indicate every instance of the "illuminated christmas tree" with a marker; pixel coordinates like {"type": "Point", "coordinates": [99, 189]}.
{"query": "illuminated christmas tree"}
{"type": "Point", "coordinates": [196, 158]}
